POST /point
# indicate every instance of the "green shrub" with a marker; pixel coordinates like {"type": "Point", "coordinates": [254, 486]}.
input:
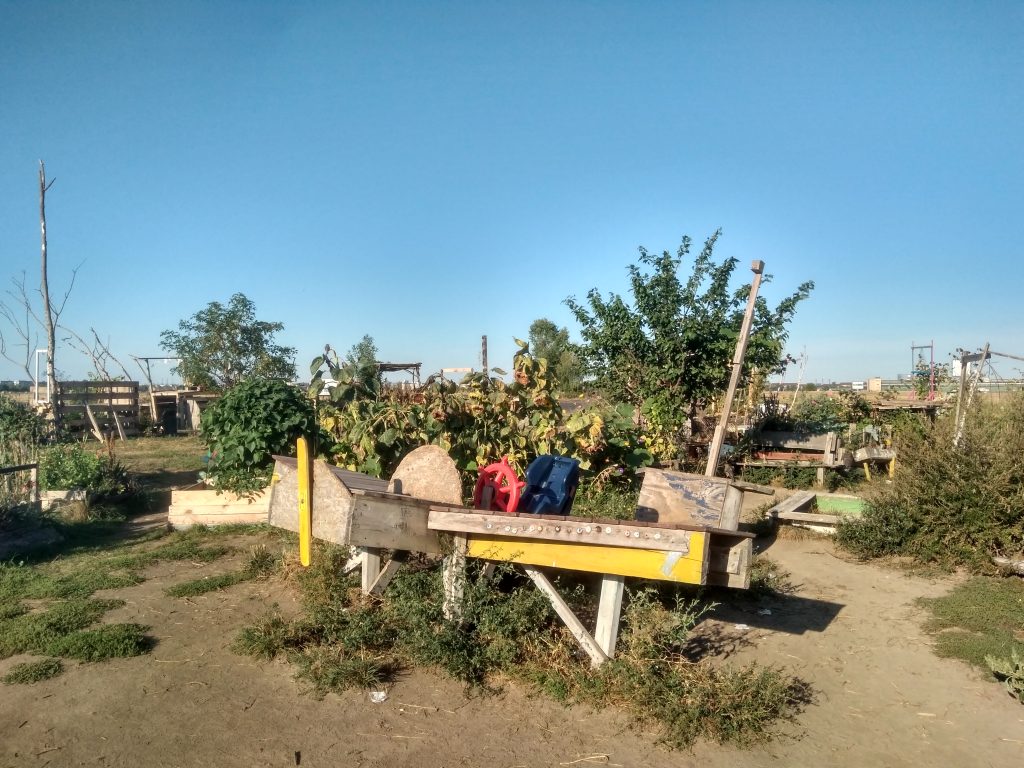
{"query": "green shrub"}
{"type": "Point", "coordinates": [70, 465]}
{"type": "Point", "coordinates": [250, 423]}
{"type": "Point", "coordinates": [478, 421]}
{"type": "Point", "coordinates": [945, 504]}
{"type": "Point", "coordinates": [508, 629]}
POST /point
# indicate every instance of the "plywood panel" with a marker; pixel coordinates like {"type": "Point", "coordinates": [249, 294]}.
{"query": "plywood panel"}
{"type": "Point", "coordinates": [679, 497]}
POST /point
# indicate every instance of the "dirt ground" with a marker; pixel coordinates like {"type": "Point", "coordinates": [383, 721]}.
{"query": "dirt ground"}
{"type": "Point", "coordinates": [882, 698]}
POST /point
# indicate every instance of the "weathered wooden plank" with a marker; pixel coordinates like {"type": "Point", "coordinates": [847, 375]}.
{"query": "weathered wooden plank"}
{"type": "Point", "coordinates": [810, 517]}
{"type": "Point", "coordinates": [794, 440]}
{"type": "Point", "coordinates": [679, 497]}
{"type": "Point", "coordinates": [729, 562]}
{"type": "Point", "coordinates": [565, 613]}
{"type": "Point", "coordinates": [389, 524]}
{"type": "Point", "coordinates": [207, 507]}
{"type": "Point", "coordinates": [606, 632]}
{"type": "Point", "coordinates": [454, 578]}
{"type": "Point", "coordinates": [792, 504]}
{"type": "Point", "coordinates": [687, 565]}
{"type": "Point", "coordinates": [371, 568]}
{"type": "Point", "coordinates": [387, 573]}
{"type": "Point", "coordinates": [732, 509]}
{"type": "Point", "coordinates": [568, 529]}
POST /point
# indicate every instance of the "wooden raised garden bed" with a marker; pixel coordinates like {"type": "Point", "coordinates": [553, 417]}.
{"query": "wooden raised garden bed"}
{"type": "Point", "coordinates": [199, 505]}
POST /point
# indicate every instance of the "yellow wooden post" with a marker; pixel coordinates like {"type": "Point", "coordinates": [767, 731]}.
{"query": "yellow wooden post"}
{"type": "Point", "coordinates": [892, 468]}
{"type": "Point", "coordinates": [305, 502]}
{"type": "Point", "coordinates": [867, 471]}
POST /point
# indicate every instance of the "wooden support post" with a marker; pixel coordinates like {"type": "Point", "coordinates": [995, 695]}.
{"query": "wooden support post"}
{"type": "Point", "coordinates": [33, 480]}
{"type": "Point", "coordinates": [867, 471]}
{"type": "Point", "coordinates": [305, 485]}
{"type": "Point", "coordinates": [371, 568]}
{"type": "Point", "coordinates": [715, 452]}
{"type": "Point", "coordinates": [387, 573]}
{"type": "Point", "coordinates": [892, 468]}
{"type": "Point", "coordinates": [583, 637]}
{"type": "Point", "coordinates": [117, 423]}
{"type": "Point", "coordinates": [95, 426]}
{"type": "Point", "coordinates": [819, 477]}
{"type": "Point", "coordinates": [606, 633]}
{"type": "Point", "coordinates": [454, 577]}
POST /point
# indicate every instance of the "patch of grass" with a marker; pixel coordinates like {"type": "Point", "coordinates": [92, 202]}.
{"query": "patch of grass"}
{"type": "Point", "coordinates": [508, 630]}
{"type": "Point", "coordinates": [162, 454]}
{"type": "Point", "coordinates": [261, 564]}
{"type": "Point", "coordinates": [265, 639]}
{"type": "Point", "coordinates": [35, 631]}
{"type": "Point", "coordinates": [329, 668]}
{"type": "Point", "coordinates": [206, 584]}
{"type": "Point", "coordinates": [61, 625]}
{"type": "Point", "coordinates": [982, 617]}
{"type": "Point", "coordinates": [607, 501]}
{"type": "Point", "coordinates": [110, 641]}
{"type": "Point", "coordinates": [33, 672]}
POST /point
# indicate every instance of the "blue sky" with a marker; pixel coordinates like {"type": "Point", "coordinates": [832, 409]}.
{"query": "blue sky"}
{"type": "Point", "coordinates": [430, 172]}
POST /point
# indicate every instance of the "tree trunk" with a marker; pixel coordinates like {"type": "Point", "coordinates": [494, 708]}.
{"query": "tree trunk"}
{"type": "Point", "coordinates": [48, 319]}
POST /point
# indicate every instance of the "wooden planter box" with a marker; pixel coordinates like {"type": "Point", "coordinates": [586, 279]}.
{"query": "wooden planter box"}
{"type": "Point", "coordinates": [202, 506]}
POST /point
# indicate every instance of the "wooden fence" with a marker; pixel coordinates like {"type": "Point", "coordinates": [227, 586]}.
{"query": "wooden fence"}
{"type": "Point", "coordinates": [111, 403]}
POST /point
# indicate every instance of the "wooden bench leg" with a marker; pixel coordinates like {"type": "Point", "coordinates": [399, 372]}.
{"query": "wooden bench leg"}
{"type": "Point", "coordinates": [371, 568]}
{"type": "Point", "coordinates": [583, 637]}
{"type": "Point", "coordinates": [606, 633]}
{"type": "Point", "coordinates": [454, 578]}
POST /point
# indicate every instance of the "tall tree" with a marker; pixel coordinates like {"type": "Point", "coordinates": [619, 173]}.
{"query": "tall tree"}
{"type": "Point", "coordinates": [552, 343]}
{"type": "Point", "coordinates": [22, 315]}
{"type": "Point", "coordinates": [219, 346]}
{"type": "Point", "coordinates": [669, 350]}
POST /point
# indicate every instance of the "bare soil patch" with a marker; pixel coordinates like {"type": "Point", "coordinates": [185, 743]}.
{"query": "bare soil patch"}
{"type": "Point", "coordinates": [853, 631]}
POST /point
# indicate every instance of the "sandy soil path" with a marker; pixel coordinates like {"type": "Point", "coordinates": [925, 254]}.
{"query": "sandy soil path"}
{"type": "Point", "coordinates": [851, 630]}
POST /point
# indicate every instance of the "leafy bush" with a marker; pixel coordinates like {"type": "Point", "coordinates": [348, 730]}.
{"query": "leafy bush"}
{"type": "Point", "coordinates": [73, 466]}
{"type": "Point", "coordinates": [70, 465]}
{"type": "Point", "coordinates": [956, 505]}
{"type": "Point", "coordinates": [21, 434]}
{"type": "Point", "coordinates": [477, 421]}
{"type": "Point", "coordinates": [250, 423]}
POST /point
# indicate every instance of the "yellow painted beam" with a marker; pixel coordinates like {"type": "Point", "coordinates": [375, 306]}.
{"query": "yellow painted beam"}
{"type": "Point", "coordinates": [305, 506]}
{"type": "Point", "coordinates": [688, 567]}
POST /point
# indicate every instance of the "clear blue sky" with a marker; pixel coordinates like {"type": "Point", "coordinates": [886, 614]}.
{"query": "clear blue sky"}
{"type": "Point", "coordinates": [430, 172]}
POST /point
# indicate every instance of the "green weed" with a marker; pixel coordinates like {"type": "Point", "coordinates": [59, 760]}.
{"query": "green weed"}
{"type": "Point", "coordinates": [1010, 671]}
{"type": "Point", "coordinates": [982, 617]}
{"type": "Point", "coordinates": [261, 564]}
{"type": "Point", "coordinates": [33, 672]}
{"type": "Point", "coordinates": [508, 630]}
{"type": "Point", "coordinates": [607, 501]}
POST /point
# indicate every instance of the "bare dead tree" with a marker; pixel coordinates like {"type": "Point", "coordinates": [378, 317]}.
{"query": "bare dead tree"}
{"type": "Point", "coordinates": [97, 351]}
{"type": "Point", "coordinates": [21, 327]}
{"type": "Point", "coordinates": [50, 317]}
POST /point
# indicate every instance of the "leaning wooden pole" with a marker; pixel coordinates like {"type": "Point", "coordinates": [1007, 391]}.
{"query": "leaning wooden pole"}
{"type": "Point", "coordinates": [715, 452]}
